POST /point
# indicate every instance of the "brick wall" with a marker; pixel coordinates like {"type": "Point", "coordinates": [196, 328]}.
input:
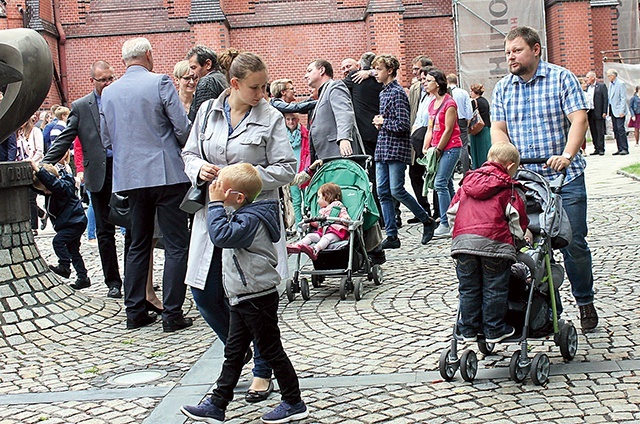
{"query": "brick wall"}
{"type": "Point", "coordinates": [569, 39]}
{"type": "Point", "coordinates": [605, 34]}
{"type": "Point", "coordinates": [433, 37]}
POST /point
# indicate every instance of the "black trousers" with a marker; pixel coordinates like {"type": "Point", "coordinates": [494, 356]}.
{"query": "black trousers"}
{"type": "Point", "coordinates": [105, 231]}
{"type": "Point", "coordinates": [598, 128]}
{"type": "Point", "coordinates": [416, 176]}
{"type": "Point", "coordinates": [257, 320]}
{"type": "Point", "coordinates": [36, 211]}
{"type": "Point", "coordinates": [66, 245]}
{"type": "Point", "coordinates": [144, 203]}
{"type": "Point", "coordinates": [465, 158]}
{"type": "Point", "coordinates": [620, 133]}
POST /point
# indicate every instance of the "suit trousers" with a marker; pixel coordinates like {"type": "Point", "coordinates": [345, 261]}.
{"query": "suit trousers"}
{"type": "Point", "coordinates": [144, 204]}
{"type": "Point", "coordinates": [105, 231]}
{"type": "Point", "coordinates": [620, 133]}
{"type": "Point", "coordinates": [598, 128]}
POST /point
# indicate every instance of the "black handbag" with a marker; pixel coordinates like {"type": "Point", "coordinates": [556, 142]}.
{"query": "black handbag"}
{"type": "Point", "coordinates": [119, 210]}
{"type": "Point", "coordinates": [417, 140]}
{"type": "Point", "coordinates": [196, 196]}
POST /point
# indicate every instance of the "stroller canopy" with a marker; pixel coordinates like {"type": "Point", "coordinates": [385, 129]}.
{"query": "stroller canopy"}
{"type": "Point", "coordinates": [356, 190]}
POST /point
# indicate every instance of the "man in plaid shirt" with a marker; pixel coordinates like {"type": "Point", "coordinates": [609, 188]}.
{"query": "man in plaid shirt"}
{"type": "Point", "coordinates": [542, 110]}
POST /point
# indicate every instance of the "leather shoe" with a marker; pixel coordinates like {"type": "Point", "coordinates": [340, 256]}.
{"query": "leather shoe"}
{"type": "Point", "coordinates": [142, 321]}
{"type": "Point", "coordinates": [152, 308]}
{"type": "Point", "coordinates": [601, 153]}
{"type": "Point", "coordinates": [390, 243]}
{"type": "Point", "coordinates": [114, 293]}
{"type": "Point", "coordinates": [60, 270]}
{"type": "Point", "coordinates": [427, 231]}
{"type": "Point", "coordinates": [624, 152]}
{"type": "Point", "coordinates": [617, 153]}
{"type": "Point", "coordinates": [171, 325]}
{"type": "Point", "coordinates": [81, 283]}
{"type": "Point", "coordinates": [254, 396]}
{"type": "Point", "coordinates": [413, 220]}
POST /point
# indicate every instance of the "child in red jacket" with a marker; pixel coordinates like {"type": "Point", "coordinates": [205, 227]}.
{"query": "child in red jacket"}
{"type": "Point", "coordinates": [487, 214]}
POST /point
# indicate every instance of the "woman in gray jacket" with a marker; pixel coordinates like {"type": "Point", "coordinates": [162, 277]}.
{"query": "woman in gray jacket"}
{"type": "Point", "coordinates": [240, 126]}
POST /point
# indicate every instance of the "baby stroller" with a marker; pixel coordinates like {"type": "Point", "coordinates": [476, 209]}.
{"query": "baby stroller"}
{"type": "Point", "coordinates": [346, 258]}
{"type": "Point", "coordinates": [533, 294]}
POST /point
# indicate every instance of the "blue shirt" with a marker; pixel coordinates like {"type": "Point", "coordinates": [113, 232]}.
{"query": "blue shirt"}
{"type": "Point", "coordinates": [393, 138]}
{"type": "Point", "coordinates": [465, 108]}
{"type": "Point", "coordinates": [536, 112]}
{"type": "Point", "coordinates": [422, 116]}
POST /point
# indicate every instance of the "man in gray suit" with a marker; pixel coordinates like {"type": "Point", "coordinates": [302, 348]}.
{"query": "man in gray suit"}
{"type": "Point", "coordinates": [333, 130]}
{"type": "Point", "coordinates": [84, 122]}
{"type": "Point", "coordinates": [143, 121]}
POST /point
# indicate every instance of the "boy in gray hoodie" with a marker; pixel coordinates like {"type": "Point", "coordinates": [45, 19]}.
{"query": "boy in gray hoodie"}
{"type": "Point", "coordinates": [250, 277]}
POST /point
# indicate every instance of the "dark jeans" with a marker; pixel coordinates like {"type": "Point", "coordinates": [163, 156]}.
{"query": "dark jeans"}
{"type": "Point", "coordinates": [620, 133]}
{"type": "Point", "coordinates": [66, 245]}
{"type": "Point", "coordinates": [105, 231]}
{"type": "Point", "coordinates": [483, 287]}
{"type": "Point", "coordinates": [255, 319]}
{"type": "Point", "coordinates": [598, 128]}
{"type": "Point", "coordinates": [214, 308]}
{"type": "Point", "coordinates": [144, 203]}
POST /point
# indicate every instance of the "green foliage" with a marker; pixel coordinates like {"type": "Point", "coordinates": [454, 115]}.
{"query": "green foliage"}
{"type": "Point", "coordinates": [633, 169]}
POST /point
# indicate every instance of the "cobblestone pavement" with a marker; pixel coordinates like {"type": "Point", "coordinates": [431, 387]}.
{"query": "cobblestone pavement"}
{"type": "Point", "coordinates": [374, 360]}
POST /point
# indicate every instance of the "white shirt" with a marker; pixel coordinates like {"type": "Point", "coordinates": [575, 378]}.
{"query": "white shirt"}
{"type": "Point", "coordinates": [462, 99]}
{"type": "Point", "coordinates": [591, 89]}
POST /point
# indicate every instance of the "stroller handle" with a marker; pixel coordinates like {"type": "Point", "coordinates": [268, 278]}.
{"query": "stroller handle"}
{"type": "Point", "coordinates": [363, 160]}
{"type": "Point", "coordinates": [527, 161]}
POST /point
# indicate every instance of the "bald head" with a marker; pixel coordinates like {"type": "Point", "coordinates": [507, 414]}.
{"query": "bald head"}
{"type": "Point", "coordinates": [349, 65]}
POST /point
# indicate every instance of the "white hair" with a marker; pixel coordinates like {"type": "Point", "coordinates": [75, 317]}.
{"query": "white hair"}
{"type": "Point", "coordinates": [135, 47]}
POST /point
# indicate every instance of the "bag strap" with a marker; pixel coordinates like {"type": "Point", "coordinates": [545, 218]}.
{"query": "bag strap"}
{"type": "Point", "coordinates": [204, 128]}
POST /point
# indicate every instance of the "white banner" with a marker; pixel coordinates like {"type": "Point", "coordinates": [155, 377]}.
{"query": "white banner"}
{"type": "Point", "coordinates": [481, 26]}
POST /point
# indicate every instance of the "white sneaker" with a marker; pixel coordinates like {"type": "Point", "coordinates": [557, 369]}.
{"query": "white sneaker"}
{"type": "Point", "coordinates": [443, 231]}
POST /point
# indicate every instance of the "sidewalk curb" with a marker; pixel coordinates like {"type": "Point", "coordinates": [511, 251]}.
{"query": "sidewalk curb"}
{"type": "Point", "coordinates": [628, 175]}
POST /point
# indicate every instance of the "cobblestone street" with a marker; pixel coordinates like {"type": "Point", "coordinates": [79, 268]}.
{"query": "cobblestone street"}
{"type": "Point", "coordinates": [371, 361]}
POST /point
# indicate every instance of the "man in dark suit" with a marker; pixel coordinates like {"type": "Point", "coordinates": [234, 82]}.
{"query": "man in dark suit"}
{"type": "Point", "coordinates": [211, 83]}
{"type": "Point", "coordinates": [84, 122]}
{"type": "Point", "coordinates": [143, 121]}
{"type": "Point", "coordinates": [598, 101]}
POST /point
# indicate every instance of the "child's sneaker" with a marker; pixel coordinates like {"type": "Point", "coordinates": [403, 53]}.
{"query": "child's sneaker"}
{"type": "Point", "coordinates": [61, 270]}
{"type": "Point", "coordinates": [285, 413]}
{"type": "Point", "coordinates": [206, 412]}
{"type": "Point", "coordinates": [293, 249]}
{"type": "Point", "coordinates": [508, 332]}
{"type": "Point", "coordinates": [309, 251]}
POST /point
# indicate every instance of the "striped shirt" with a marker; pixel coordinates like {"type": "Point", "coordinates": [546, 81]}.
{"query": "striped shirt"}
{"type": "Point", "coordinates": [393, 138]}
{"type": "Point", "coordinates": [536, 112]}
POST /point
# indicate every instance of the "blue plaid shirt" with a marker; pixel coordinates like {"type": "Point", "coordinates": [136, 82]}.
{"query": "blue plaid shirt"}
{"type": "Point", "coordinates": [536, 114]}
{"type": "Point", "coordinates": [393, 138]}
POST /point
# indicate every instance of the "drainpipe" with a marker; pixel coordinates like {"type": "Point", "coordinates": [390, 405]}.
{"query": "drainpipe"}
{"type": "Point", "coordinates": [62, 54]}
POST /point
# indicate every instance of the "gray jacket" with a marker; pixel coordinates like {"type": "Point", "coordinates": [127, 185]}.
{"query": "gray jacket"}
{"type": "Point", "coordinates": [249, 257]}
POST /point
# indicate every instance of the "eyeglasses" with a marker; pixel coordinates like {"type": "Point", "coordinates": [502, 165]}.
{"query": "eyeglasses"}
{"type": "Point", "coordinates": [103, 80]}
{"type": "Point", "coordinates": [290, 88]}
{"type": "Point", "coordinates": [190, 78]}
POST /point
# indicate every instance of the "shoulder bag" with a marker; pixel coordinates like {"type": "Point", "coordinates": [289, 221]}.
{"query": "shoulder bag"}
{"type": "Point", "coordinates": [476, 123]}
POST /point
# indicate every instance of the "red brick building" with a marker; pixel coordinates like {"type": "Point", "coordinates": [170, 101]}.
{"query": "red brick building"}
{"type": "Point", "coordinates": [288, 34]}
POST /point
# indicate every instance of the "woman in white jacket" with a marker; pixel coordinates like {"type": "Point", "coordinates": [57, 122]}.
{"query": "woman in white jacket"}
{"type": "Point", "coordinates": [240, 127]}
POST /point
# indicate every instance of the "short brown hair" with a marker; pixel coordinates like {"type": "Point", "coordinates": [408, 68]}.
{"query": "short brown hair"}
{"type": "Point", "coordinates": [388, 61]}
{"type": "Point", "coordinates": [243, 177]}
{"type": "Point", "coordinates": [504, 153]}
{"type": "Point", "coordinates": [478, 89]}
{"type": "Point", "coordinates": [528, 34]}
{"type": "Point", "coordinates": [331, 192]}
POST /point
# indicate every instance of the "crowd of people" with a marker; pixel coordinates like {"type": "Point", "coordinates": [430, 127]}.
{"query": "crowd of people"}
{"type": "Point", "coordinates": [214, 130]}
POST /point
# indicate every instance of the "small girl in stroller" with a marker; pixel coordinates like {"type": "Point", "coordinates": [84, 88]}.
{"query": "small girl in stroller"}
{"type": "Point", "coordinates": [330, 201]}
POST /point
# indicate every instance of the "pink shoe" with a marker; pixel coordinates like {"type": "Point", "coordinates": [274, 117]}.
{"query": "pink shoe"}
{"type": "Point", "coordinates": [293, 249]}
{"type": "Point", "coordinates": [308, 250]}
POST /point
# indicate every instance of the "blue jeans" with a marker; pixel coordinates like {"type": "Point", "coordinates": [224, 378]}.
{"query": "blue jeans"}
{"type": "Point", "coordinates": [443, 184]}
{"type": "Point", "coordinates": [577, 256]}
{"type": "Point", "coordinates": [484, 289]}
{"type": "Point", "coordinates": [390, 182]}
{"type": "Point", "coordinates": [214, 308]}
{"type": "Point", "coordinates": [91, 220]}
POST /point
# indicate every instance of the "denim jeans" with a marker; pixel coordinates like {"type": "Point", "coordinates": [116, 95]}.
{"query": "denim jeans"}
{"type": "Point", "coordinates": [255, 319]}
{"type": "Point", "coordinates": [214, 308]}
{"type": "Point", "coordinates": [484, 289]}
{"type": "Point", "coordinates": [577, 256]}
{"type": "Point", "coordinates": [91, 220]}
{"type": "Point", "coordinates": [443, 184]}
{"type": "Point", "coordinates": [390, 182]}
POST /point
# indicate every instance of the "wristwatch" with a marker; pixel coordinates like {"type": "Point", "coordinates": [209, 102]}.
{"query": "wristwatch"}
{"type": "Point", "coordinates": [568, 156]}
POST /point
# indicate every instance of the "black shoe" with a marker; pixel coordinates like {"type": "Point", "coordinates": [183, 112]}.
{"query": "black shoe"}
{"type": "Point", "coordinates": [152, 308]}
{"type": "Point", "coordinates": [617, 153]}
{"type": "Point", "coordinates": [171, 325]}
{"type": "Point", "coordinates": [427, 231]}
{"type": "Point", "coordinates": [254, 396]}
{"type": "Point", "coordinates": [413, 220]}
{"type": "Point", "coordinates": [61, 270]}
{"type": "Point", "coordinates": [143, 321]}
{"type": "Point", "coordinates": [601, 153]}
{"type": "Point", "coordinates": [390, 243]}
{"type": "Point", "coordinates": [595, 152]}
{"type": "Point", "coordinates": [81, 283]}
{"type": "Point", "coordinates": [43, 221]}
{"type": "Point", "coordinates": [624, 152]}
{"type": "Point", "coordinates": [588, 317]}
{"type": "Point", "coordinates": [114, 293]}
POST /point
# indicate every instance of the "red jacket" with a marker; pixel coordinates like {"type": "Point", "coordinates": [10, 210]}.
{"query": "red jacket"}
{"type": "Point", "coordinates": [487, 213]}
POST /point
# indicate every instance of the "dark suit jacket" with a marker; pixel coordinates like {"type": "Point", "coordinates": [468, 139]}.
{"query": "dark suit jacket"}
{"type": "Point", "coordinates": [366, 104]}
{"type": "Point", "coordinates": [84, 122]}
{"type": "Point", "coordinates": [600, 100]}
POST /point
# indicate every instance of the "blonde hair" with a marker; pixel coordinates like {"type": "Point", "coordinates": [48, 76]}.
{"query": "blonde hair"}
{"type": "Point", "coordinates": [181, 69]}
{"type": "Point", "coordinates": [62, 111]}
{"type": "Point", "coordinates": [279, 86]}
{"type": "Point", "coordinates": [504, 153]}
{"type": "Point", "coordinates": [50, 169]}
{"type": "Point", "coordinates": [243, 177]}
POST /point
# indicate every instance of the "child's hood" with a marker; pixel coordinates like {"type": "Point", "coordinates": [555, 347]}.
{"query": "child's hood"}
{"type": "Point", "coordinates": [486, 181]}
{"type": "Point", "coordinates": [267, 212]}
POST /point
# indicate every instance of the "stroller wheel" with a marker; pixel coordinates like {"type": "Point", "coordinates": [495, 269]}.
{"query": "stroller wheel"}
{"type": "Point", "coordinates": [516, 371]}
{"type": "Point", "coordinates": [316, 281]}
{"type": "Point", "coordinates": [540, 369]}
{"type": "Point", "coordinates": [468, 365]}
{"type": "Point", "coordinates": [304, 288]}
{"type": "Point", "coordinates": [486, 348]}
{"type": "Point", "coordinates": [357, 288]}
{"type": "Point", "coordinates": [290, 292]}
{"type": "Point", "coordinates": [377, 275]}
{"type": "Point", "coordinates": [447, 368]}
{"type": "Point", "coordinates": [568, 341]}
{"type": "Point", "coordinates": [345, 282]}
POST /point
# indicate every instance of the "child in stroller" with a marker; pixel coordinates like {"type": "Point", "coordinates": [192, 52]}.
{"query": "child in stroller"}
{"type": "Point", "coordinates": [330, 202]}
